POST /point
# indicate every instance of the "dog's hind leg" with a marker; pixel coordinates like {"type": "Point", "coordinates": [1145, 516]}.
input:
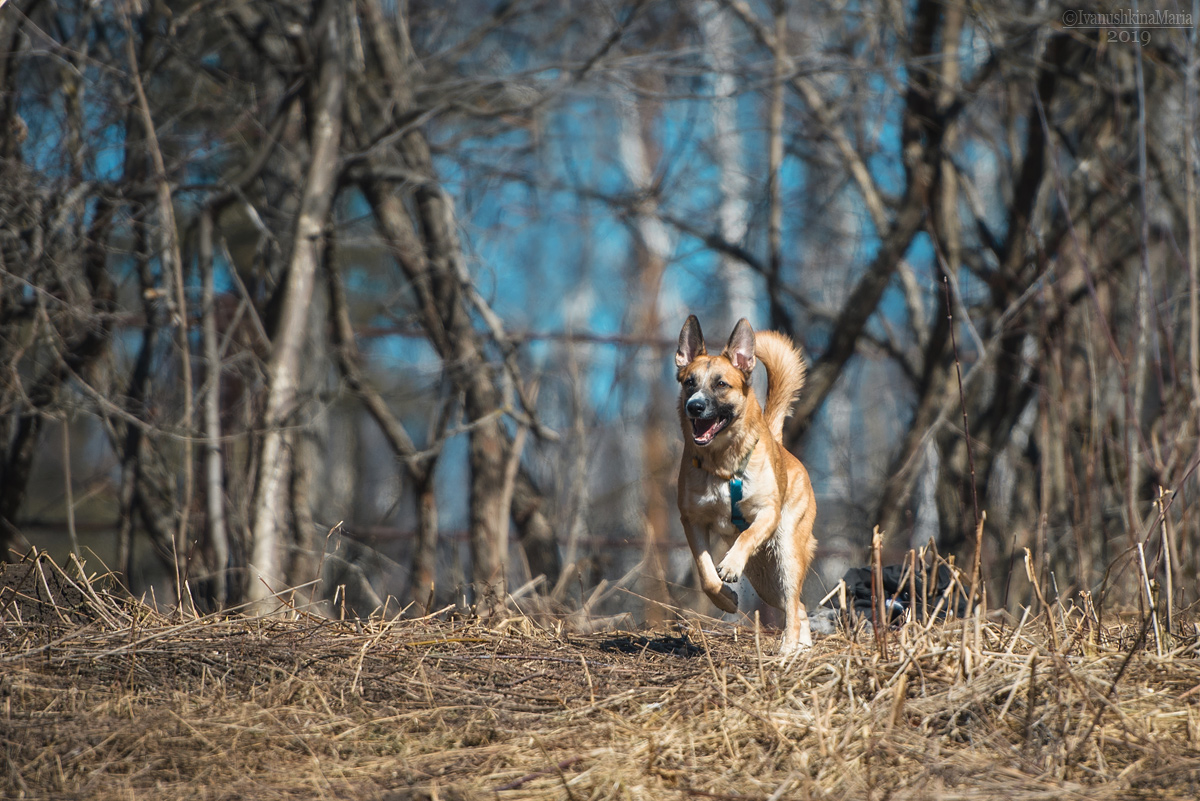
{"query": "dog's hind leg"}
{"type": "Point", "coordinates": [772, 573]}
{"type": "Point", "coordinates": [797, 634]}
{"type": "Point", "coordinates": [794, 550]}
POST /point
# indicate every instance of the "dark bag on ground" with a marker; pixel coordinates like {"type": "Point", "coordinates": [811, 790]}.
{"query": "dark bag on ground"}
{"type": "Point", "coordinates": [897, 592]}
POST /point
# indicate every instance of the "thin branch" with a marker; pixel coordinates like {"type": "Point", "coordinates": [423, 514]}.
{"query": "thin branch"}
{"type": "Point", "coordinates": [962, 401]}
{"type": "Point", "coordinates": [168, 233]}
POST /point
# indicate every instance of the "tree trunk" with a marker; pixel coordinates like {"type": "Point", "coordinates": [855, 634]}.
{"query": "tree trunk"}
{"type": "Point", "coordinates": [424, 559]}
{"type": "Point", "coordinates": [269, 507]}
{"type": "Point", "coordinates": [534, 532]}
{"type": "Point", "coordinates": [214, 467]}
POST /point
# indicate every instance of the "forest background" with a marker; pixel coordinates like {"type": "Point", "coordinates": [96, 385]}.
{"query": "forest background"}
{"type": "Point", "coordinates": [379, 299]}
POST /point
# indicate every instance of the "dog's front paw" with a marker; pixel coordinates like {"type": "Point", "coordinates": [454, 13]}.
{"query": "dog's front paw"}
{"type": "Point", "coordinates": [726, 600]}
{"type": "Point", "coordinates": [732, 566]}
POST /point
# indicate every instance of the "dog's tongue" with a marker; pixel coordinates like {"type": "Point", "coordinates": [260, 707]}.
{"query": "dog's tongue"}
{"type": "Point", "coordinates": [704, 429]}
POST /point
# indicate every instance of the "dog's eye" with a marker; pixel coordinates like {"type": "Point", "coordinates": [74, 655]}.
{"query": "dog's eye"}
{"type": "Point", "coordinates": [722, 384]}
{"type": "Point", "coordinates": [689, 382]}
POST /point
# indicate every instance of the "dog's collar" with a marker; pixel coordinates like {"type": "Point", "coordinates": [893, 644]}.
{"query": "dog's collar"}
{"type": "Point", "coordinates": [735, 487]}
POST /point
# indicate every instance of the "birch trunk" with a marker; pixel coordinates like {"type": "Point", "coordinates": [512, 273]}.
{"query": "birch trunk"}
{"type": "Point", "coordinates": [214, 477]}
{"type": "Point", "coordinates": [271, 492]}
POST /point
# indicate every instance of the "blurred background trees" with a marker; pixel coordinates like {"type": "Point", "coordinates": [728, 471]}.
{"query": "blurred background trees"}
{"type": "Point", "coordinates": [379, 299]}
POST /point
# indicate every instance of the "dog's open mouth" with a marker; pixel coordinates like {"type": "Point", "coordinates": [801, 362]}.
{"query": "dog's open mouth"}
{"type": "Point", "coordinates": [705, 428]}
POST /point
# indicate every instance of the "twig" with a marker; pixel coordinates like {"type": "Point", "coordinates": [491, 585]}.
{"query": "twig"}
{"type": "Point", "coordinates": [1153, 607]}
{"type": "Point", "coordinates": [537, 774]}
{"type": "Point", "coordinates": [1168, 545]}
{"type": "Point", "coordinates": [975, 567]}
{"type": "Point", "coordinates": [962, 400]}
{"type": "Point", "coordinates": [877, 592]}
{"type": "Point", "coordinates": [66, 457]}
{"type": "Point", "coordinates": [1037, 588]}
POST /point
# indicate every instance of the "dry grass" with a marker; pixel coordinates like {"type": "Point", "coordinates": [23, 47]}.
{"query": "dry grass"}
{"type": "Point", "coordinates": [104, 698]}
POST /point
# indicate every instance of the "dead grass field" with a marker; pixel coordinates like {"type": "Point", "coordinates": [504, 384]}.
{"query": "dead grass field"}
{"type": "Point", "coordinates": [104, 698]}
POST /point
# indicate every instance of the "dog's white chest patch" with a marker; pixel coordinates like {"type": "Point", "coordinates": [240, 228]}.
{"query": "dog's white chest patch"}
{"type": "Point", "coordinates": [710, 506]}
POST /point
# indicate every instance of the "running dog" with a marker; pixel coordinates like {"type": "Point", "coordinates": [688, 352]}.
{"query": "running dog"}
{"type": "Point", "coordinates": [737, 481]}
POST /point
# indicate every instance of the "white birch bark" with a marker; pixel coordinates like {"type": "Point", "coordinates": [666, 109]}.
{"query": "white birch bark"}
{"type": "Point", "coordinates": [213, 465]}
{"type": "Point", "coordinates": [270, 498]}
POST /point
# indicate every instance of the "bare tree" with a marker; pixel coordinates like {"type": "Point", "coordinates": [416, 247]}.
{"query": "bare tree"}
{"type": "Point", "coordinates": [366, 217]}
{"type": "Point", "coordinates": [271, 492]}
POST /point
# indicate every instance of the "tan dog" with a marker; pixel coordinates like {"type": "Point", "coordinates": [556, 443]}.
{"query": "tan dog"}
{"type": "Point", "coordinates": [732, 447]}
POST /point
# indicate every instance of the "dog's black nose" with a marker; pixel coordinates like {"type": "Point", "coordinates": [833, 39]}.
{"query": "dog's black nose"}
{"type": "Point", "coordinates": [696, 407]}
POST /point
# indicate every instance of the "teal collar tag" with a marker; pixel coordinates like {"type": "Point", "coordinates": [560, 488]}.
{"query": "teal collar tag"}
{"type": "Point", "coordinates": [735, 492]}
{"type": "Point", "coordinates": [735, 499]}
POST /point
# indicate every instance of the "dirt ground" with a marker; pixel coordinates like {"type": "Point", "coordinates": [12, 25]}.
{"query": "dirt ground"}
{"type": "Point", "coordinates": [105, 698]}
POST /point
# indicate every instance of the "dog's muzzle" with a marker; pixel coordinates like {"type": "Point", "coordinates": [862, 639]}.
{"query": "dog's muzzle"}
{"type": "Point", "coordinates": [707, 422]}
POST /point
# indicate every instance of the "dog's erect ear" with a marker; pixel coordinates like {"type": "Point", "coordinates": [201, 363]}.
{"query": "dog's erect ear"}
{"type": "Point", "coordinates": [691, 343]}
{"type": "Point", "coordinates": [740, 349]}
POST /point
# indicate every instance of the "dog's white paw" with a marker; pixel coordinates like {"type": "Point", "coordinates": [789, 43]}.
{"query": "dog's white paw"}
{"type": "Point", "coordinates": [726, 600]}
{"type": "Point", "coordinates": [792, 648]}
{"type": "Point", "coordinates": [732, 566]}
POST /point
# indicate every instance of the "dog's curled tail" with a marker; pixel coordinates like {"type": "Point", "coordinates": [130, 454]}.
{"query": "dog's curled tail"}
{"type": "Point", "coordinates": [785, 376]}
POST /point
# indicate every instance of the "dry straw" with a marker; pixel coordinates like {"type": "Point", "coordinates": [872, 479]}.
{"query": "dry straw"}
{"type": "Point", "coordinates": [104, 697]}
